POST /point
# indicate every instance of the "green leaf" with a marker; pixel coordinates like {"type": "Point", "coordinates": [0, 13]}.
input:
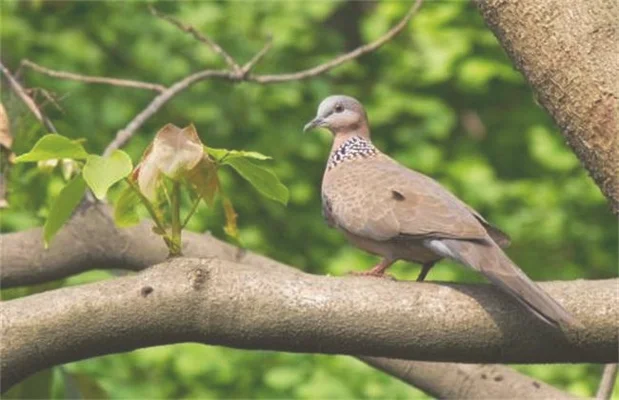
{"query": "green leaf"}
{"type": "Point", "coordinates": [125, 209]}
{"type": "Point", "coordinates": [219, 154]}
{"type": "Point", "coordinates": [68, 198]}
{"type": "Point", "coordinates": [102, 172]}
{"type": "Point", "coordinates": [263, 179]}
{"type": "Point", "coordinates": [54, 146]}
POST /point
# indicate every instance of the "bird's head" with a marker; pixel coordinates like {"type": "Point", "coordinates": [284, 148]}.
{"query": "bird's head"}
{"type": "Point", "coordinates": [341, 115]}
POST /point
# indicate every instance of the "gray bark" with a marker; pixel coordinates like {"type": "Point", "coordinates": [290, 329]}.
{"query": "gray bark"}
{"type": "Point", "coordinates": [568, 53]}
{"type": "Point", "coordinates": [224, 303]}
{"type": "Point", "coordinates": [466, 381]}
{"type": "Point", "coordinates": [91, 241]}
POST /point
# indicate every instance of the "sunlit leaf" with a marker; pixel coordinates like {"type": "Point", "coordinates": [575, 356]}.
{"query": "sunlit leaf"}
{"type": "Point", "coordinates": [173, 152]}
{"type": "Point", "coordinates": [125, 209]}
{"type": "Point", "coordinates": [263, 179]}
{"type": "Point", "coordinates": [60, 212]}
{"type": "Point", "coordinates": [54, 146]}
{"type": "Point", "coordinates": [102, 172]}
{"type": "Point", "coordinates": [176, 150]}
{"type": "Point", "coordinates": [203, 177]}
{"type": "Point", "coordinates": [231, 215]}
{"type": "Point", "coordinates": [221, 154]}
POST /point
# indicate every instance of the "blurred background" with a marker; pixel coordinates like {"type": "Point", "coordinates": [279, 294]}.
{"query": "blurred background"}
{"type": "Point", "coordinates": [442, 98]}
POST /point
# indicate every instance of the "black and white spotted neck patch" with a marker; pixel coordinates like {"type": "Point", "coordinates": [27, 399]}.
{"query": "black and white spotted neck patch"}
{"type": "Point", "coordinates": [351, 149]}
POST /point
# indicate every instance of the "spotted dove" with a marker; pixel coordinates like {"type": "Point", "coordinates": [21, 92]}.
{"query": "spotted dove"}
{"type": "Point", "coordinates": [389, 210]}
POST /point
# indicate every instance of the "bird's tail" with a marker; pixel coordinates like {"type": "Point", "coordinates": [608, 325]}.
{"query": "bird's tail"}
{"type": "Point", "coordinates": [491, 261]}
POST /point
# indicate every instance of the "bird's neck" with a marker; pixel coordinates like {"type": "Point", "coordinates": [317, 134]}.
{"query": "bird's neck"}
{"type": "Point", "coordinates": [347, 147]}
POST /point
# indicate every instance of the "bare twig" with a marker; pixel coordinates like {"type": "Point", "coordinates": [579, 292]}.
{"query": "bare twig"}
{"type": "Point", "coordinates": [93, 79]}
{"type": "Point", "coordinates": [232, 64]}
{"type": "Point", "coordinates": [21, 93]}
{"type": "Point", "coordinates": [358, 52]}
{"type": "Point", "coordinates": [609, 378]}
{"type": "Point", "coordinates": [50, 98]}
{"type": "Point", "coordinates": [234, 74]}
{"type": "Point", "coordinates": [258, 57]}
{"type": "Point", "coordinates": [123, 135]}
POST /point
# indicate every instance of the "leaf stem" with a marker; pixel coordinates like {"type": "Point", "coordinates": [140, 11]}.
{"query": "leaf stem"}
{"type": "Point", "coordinates": [194, 207]}
{"type": "Point", "coordinates": [177, 228]}
{"type": "Point", "coordinates": [151, 210]}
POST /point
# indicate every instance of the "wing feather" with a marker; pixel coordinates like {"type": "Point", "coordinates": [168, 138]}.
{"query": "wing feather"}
{"type": "Point", "coordinates": [380, 199]}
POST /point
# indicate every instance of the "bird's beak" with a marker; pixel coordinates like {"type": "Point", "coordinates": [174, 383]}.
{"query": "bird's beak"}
{"type": "Point", "coordinates": [313, 124]}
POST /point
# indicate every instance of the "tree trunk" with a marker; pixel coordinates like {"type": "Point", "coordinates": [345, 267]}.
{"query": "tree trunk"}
{"type": "Point", "coordinates": [568, 51]}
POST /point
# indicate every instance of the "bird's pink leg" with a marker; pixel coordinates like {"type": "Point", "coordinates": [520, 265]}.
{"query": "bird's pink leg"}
{"type": "Point", "coordinates": [378, 270]}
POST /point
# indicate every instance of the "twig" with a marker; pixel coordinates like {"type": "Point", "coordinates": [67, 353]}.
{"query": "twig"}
{"type": "Point", "coordinates": [21, 93]}
{"type": "Point", "coordinates": [93, 79]}
{"type": "Point", "coordinates": [609, 378]}
{"type": "Point", "coordinates": [232, 64]}
{"type": "Point", "coordinates": [259, 55]}
{"type": "Point", "coordinates": [358, 52]}
{"type": "Point", "coordinates": [123, 135]}
{"type": "Point", "coordinates": [235, 74]}
{"type": "Point", "coordinates": [49, 97]}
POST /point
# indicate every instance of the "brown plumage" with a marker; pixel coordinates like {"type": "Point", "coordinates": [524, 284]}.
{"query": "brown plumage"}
{"type": "Point", "coordinates": [389, 210]}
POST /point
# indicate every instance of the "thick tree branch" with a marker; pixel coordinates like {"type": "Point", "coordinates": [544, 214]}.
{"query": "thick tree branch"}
{"type": "Point", "coordinates": [224, 303]}
{"type": "Point", "coordinates": [466, 381]}
{"type": "Point", "coordinates": [91, 240]}
{"type": "Point", "coordinates": [568, 53]}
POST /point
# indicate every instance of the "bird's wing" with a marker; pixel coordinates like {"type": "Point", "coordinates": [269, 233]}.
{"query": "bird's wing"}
{"type": "Point", "coordinates": [380, 199]}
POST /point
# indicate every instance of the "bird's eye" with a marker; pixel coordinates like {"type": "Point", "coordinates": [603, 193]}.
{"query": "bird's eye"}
{"type": "Point", "coordinates": [339, 108]}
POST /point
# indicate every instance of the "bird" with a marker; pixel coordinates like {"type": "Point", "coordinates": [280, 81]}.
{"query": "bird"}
{"type": "Point", "coordinates": [394, 212]}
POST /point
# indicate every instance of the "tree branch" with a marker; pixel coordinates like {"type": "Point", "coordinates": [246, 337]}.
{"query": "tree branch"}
{"type": "Point", "coordinates": [569, 56]}
{"type": "Point", "coordinates": [123, 135]}
{"type": "Point", "coordinates": [224, 303]}
{"type": "Point", "coordinates": [609, 378]}
{"type": "Point", "coordinates": [232, 64]}
{"type": "Point", "coordinates": [93, 79]}
{"type": "Point", "coordinates": [358, 52]}
{"type": "Point", "coordinates": [91, 240]}
{"type": "Point", "coordinates": [466, 381]}
{"type": "Point", "coordinates": [235, 73]}
{"type": "Point", "coordinates": [258, 57]}
{"type": "Point", "coordinates": [21, 93]}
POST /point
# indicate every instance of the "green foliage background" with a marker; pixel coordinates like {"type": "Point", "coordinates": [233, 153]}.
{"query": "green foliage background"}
{"type": "Point", "coordinates": [442, 98]}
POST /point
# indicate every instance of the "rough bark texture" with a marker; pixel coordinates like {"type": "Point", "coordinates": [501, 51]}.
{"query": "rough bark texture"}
{"type": "Point", "coordinates": [568, 51]}
{"type": "Point", "coordinates": [92, 241]}
{"type": "Point", "coordinates": [224, 303]}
